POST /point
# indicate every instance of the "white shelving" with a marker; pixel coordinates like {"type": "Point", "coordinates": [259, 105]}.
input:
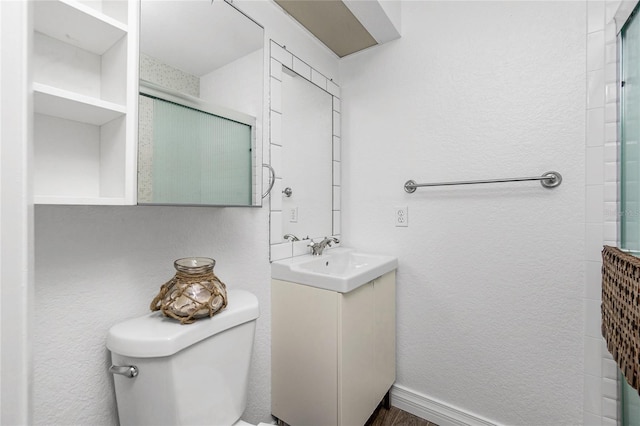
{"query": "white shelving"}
{"type": "Point", "coordinates": [79, 25]}
{"type": "Point", "coordinates": [74, 106]}
{"type": "Point", "coordinates": [85, 72]}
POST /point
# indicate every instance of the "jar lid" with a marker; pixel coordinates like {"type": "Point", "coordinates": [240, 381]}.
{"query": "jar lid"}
{"type": "Point", "coordinates": [194, 265]}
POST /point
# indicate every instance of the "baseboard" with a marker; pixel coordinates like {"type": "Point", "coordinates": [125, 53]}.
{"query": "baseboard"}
{"type": "Point", "coordinates": [432, 410]}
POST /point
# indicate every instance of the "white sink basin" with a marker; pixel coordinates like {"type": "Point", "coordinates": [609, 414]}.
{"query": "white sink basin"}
{"type": "Point", "coordinates": [340, 269]}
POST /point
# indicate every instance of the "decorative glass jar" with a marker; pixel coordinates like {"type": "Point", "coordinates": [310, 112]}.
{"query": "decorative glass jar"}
{"type": "Point", "coordinates": [194, 292]}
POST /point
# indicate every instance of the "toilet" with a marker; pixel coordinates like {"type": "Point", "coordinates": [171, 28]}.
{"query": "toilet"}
{"type": "Point", "coordinates": [166, 373]}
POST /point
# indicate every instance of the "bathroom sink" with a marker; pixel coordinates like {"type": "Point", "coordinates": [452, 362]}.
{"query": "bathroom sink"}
{"type": "Point", "coordinates": [339, 269]}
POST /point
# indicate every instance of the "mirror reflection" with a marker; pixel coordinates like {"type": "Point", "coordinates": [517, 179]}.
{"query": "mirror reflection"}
{"type": "Point", "coordinates": [201, 84]}
{"type": "Point", "coordinates": [307, 154]}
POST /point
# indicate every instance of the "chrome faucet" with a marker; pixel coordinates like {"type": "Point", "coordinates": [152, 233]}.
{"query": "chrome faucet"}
{"type": "Point", "coordinates": [318, 248]}
{"type": "Point", "coordinates": [291, 237]}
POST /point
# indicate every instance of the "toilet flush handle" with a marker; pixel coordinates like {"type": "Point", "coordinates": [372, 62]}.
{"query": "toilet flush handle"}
{"type": "Point", "coordinates": [129, 371]}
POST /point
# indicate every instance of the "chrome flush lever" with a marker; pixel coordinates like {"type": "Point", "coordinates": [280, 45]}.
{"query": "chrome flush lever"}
{"type": "Point", "coordinates": [129, 371]}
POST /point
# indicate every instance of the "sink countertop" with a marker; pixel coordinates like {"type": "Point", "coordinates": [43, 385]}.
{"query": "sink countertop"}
{"type": "Point", "coordinates": [339, 269]}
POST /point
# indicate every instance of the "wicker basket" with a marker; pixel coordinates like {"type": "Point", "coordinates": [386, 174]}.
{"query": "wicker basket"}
{"type": "Point", "coordinates": [621, 310]}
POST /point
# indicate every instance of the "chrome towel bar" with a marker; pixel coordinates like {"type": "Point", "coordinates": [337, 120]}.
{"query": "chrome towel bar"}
{"type": "Point", "coordinates": [547, 180]}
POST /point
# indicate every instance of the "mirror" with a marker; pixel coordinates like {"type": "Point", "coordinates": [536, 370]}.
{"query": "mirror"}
{"type": "Point", "coordinates": [305, 151]}
{"type": "Point", "coordinates": [200, 104]}
{"type": "Point", "coordinates": [307, 140]}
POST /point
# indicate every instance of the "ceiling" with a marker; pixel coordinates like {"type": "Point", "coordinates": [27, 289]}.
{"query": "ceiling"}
{"type": "Point", "coordinates": [176, 31]}
{"type": "Point", "coordinates": [331, 22]}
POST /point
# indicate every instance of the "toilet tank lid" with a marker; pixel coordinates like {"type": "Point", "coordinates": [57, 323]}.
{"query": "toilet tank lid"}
{"type": "Point", "coordinates": [154, 335]}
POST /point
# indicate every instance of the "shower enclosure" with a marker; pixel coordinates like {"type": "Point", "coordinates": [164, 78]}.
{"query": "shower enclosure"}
{"type": "Point", "coordinates": [630, 174]}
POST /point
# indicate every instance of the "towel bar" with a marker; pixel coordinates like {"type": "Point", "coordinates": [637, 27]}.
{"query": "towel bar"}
{"type": "Point", "coordinates": [547, 180]}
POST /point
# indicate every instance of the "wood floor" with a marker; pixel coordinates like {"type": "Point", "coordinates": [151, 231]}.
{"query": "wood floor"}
{"type": "Point", "coordinates": [395, 417]}
{"type": "Point", "coordinates": [389, 417]}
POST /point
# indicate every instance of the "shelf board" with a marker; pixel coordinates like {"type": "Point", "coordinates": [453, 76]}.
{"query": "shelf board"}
{"type": "Point", "coordinates": [73, 106]}
{"type": "Point", "coordinates": [77, 24]}
{"type": "Point", "coordinates": [80, 201]}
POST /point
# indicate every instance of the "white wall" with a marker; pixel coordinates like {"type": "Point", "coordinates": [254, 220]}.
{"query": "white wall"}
{"type": "Point", "coordinates": [490, 278]}
{"type": "Point", "coordinates": [96, 266]}
{"type": "Point", "coordinates": [16, 216]}
{"type": "Point", "coordinates": [237, 85]}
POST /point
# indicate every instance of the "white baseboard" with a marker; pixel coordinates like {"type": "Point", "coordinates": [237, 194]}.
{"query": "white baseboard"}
{"type": "Point", "coordinates": [432, 410]}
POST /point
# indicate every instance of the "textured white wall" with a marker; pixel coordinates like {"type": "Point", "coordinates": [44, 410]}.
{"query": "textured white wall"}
{"type": "Point", "coordinates": [96, 266]}
{"type": "Point", "coordinates": [490, 278]}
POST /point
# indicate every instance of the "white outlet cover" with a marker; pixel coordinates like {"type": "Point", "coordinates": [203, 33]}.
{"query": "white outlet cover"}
{"type": "Point", "coordinates": [401, 216]}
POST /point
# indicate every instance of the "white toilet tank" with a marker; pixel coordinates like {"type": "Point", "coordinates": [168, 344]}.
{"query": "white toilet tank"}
{"type": "Point", "coordinates": [194, 374]}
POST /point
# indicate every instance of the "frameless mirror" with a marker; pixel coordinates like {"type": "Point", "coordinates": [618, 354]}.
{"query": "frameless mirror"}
{"type": "Point", "coordinates": [304, 147]}
{"type": "Point", "coordinates": [201, 101]}
{"type": "Point", "coordinates": [307, 151]}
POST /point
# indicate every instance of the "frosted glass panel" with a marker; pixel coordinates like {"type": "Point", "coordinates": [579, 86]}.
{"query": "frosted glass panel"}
{"type": "Point", "coordinates": [630, 403]}
{"type": "Point", "coordinates": [630, 176]}
{"type": "Point", "coordinates": [196, 158]}
{"type": "Point", "coordinates": [630, 135]}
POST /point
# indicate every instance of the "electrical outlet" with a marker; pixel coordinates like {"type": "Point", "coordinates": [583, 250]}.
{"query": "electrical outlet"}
{"type": "Point", "coordinates": [401, 216]}
{"type": "Point", "coordinates": [293, 215]}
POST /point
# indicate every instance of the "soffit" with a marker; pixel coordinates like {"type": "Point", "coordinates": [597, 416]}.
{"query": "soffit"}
{"type": "Point", "coordinates": [331, 22]}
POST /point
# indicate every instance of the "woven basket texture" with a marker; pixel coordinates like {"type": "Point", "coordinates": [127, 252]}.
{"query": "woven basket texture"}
{"type": "Point", "coordinates": [621, 311]}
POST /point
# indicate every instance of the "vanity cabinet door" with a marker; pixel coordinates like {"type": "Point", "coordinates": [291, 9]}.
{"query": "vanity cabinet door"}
{"type": "Point", "coordinates": [332, 354]}
{"type": "Point", "coordinates": [356, 397]}
{"type": "Point", "coordinates": [367, 348]}
{"type": "Point", "coordinates": [384, 348]}
{"type": "Point", "coordinates": [304, 344]}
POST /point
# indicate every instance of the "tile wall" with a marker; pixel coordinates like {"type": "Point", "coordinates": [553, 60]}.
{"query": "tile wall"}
{"type": "Point", "coordinates": [604, 20]}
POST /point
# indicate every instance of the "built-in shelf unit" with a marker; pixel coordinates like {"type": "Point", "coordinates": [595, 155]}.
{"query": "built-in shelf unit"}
{"type": "Point", "coordinates": [85, 86]}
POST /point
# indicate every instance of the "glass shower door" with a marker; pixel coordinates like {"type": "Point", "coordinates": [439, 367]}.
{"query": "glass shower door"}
{"type": "Point", "coordinates": [630, 135]}
{"type": "Point", "coordinates": [630, 175]}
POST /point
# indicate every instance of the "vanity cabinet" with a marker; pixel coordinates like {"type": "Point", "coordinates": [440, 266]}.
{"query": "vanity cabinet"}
{"type": "Point", "coordinates": [333, 354]}
{"type": "Point", "coordinates": [85, 79]}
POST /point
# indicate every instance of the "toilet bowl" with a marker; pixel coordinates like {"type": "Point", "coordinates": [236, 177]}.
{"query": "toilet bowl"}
{"type": "Point", "coordinates": [166, 373]}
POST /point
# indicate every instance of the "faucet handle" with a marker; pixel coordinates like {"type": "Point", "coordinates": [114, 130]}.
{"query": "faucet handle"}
{"type": "Point", "coordinates": [330, 240]}
{"type": "Point", "coordinates": [316, 248]}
